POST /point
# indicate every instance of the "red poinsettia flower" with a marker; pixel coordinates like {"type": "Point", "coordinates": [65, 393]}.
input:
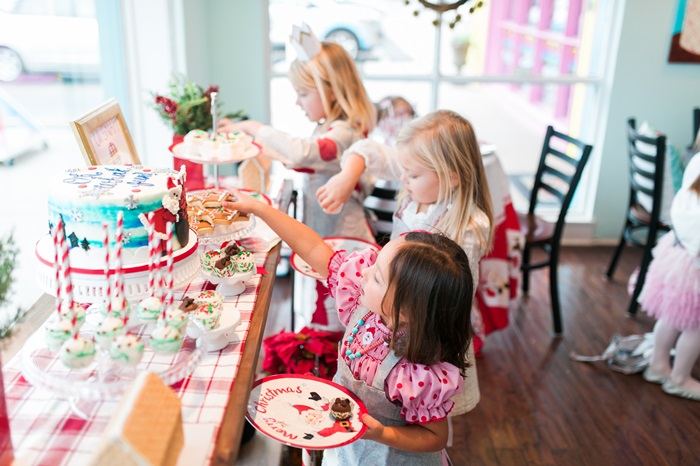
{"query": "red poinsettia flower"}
{"type": "Point", "coordinates": [296, 353]}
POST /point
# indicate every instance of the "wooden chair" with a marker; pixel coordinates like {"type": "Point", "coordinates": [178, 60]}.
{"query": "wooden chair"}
{"type": "Point", "coordinates": [381, 205]}
{"type": "Point", "coordinates": [558, 174]}
{"type": "Point", "coordinates": [646, 166]}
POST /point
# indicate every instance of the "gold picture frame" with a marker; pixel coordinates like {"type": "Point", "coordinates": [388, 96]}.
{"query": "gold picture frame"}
{"type": "Point", "coordinates": [103, 136]}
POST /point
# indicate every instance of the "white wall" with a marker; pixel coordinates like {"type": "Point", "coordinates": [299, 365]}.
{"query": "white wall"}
{"type": "Point", "coordinates": [647, 87]}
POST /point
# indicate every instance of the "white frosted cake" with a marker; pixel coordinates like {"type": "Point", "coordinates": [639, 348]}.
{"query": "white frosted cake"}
{"type": "Point", "coordinates": [85, 198]}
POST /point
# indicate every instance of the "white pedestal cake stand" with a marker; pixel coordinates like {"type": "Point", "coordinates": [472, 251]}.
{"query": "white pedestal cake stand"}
{"type": "Point", "coordinates": [89, 284]}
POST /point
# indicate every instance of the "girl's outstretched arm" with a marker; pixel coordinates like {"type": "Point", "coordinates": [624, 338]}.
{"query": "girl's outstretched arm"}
{"type": "Point", "coordinates": [337, 191]}
{"type": "Point", "coordinates": [250, 127]}
{"type": "Point", "coordinates": [302, 239]}
{"type": "Point", "coordinates": [414, 437]}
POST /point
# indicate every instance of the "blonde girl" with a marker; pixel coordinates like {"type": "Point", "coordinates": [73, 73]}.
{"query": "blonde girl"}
{"type": "Point", "coordinates": [406, 335]}
{"type": "Point", "coordinates": [444, 189]}
{"type": "Point", "coordinates": [329, 90]}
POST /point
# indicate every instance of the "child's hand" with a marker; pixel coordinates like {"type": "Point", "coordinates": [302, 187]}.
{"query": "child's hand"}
{"type": "Point", "coordinates": [246, 126]}
{"type": "Point", "coordinates": [243, 203]}
{"type": "Point", "coordinates": [335, 193]}
{"type": "Point", "coordinates": [374, 428]}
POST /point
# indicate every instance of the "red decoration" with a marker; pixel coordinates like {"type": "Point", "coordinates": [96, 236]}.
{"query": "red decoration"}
{"type": "Point", "coordinates": [195, 172]}
{"type": "Point", "coordinates": [6, 454]}
{"type": "Point", "coordinates": [295, 353]}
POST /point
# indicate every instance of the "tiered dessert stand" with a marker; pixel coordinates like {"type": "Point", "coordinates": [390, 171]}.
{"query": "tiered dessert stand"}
{"type": "Point", "coordinates": [103, 379]}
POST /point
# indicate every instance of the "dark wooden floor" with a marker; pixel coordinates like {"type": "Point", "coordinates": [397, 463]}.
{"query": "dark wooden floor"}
{"type": "Point", "coordinates": [540, 407]}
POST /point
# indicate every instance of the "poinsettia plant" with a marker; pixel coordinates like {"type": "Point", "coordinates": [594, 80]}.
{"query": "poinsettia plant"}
{"type": "Point", "coordinates": [187, 106]}
{"type": "Point", "coordinates": [296, 353]}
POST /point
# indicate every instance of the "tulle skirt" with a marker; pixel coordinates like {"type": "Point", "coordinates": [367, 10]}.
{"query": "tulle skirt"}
{"type": "Point", "coordinates": [672, 285]}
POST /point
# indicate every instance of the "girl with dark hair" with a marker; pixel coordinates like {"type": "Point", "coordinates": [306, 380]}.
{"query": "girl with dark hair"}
{"type": "Point", "coordinates": [408, 327]}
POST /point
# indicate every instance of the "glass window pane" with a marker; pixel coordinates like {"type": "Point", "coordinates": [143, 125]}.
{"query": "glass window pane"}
{"type": "Point", "coordinates": [43, 85]}
{"type": "Point", "coordinates": [510, 118]}
{"type": "Point", "coordinates": [521, 38]}
{"type": "Point", "coordinates": [383, 36]}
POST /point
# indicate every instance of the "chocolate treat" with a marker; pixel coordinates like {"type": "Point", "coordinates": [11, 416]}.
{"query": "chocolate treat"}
{"type": "Point", "coordinates": [222, 263]}
{"type": "Point", "coordinates": [341, 408]}
{"type": "Point", "coordinates": [188, 305]}
{"type": "Point", "coordinates": [232, 249]}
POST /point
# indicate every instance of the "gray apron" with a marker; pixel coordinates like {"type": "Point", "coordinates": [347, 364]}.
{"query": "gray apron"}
{"type": "Point", "coordinates": [368, 452]}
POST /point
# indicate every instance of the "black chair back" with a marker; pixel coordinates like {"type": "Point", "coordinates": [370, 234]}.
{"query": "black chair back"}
{"type": "Point", "coordinates": [559, 173]}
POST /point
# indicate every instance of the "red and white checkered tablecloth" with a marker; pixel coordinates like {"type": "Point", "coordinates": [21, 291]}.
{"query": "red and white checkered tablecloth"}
{"type": "Point", "coordinates": [46, 431]}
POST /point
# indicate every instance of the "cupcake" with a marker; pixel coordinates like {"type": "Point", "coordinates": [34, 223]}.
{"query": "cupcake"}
{"type": "Point", "coordinates": [108, 330]}
{"type": "Point", "coordinates": [207, 316]}
{"type": "Point", "coordinates": [216, 263]}
{"type": "Point", "coordinates": [126, 350]}
{"type": "Point", "coordinates": [245, 262]}
{"type": "Point", "coordinates": [57, 333]}
{"type": "Point", "coordinates": [149, 309]}
{"type": "Point", "coordinates": [193, 141]}
{"type": "Point", "coordinates": [66, 313]}
{"type": "Point", "coordinates": [341, 409]}
{"type": "Point", "coordinates": [175, 317]}
{"type": "Point", "coordinates": [118, 308]}
{"type": "Point", "coordinates": [77, 352]}
{"type": "Point", "coordinates": [166, 339]}
{"type": "Point", "coordinates": [212, 297]}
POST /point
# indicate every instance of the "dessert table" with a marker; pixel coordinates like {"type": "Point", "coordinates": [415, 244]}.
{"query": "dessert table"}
{"type": "Point", "coordinates": [46, 430]}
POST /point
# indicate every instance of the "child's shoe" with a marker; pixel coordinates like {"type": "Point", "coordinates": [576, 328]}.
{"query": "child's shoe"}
{"type": "Point", "coordinates": [676, 390]}
{"type": "Point", "coordinates": [653, 377]}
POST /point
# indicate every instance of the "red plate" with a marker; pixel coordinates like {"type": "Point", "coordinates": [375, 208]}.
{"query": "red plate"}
{"type": "Point", "coordinates": [295, 410]}
{"type": "Point", "coordinates": [337, 243]}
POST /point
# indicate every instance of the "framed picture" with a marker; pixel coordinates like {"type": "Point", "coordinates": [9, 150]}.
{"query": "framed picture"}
{"type": "Point", "coordinates": [103, 136]}
{"type": "Point", "coordinates": [685, 42]}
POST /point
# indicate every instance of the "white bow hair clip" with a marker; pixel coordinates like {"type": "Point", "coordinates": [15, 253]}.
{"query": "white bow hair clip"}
{"type": "Point", "coordinates": [305, 42]}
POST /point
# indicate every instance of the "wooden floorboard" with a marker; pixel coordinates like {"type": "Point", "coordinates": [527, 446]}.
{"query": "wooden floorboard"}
{"type": "Point", "coordinates": [538, 407]}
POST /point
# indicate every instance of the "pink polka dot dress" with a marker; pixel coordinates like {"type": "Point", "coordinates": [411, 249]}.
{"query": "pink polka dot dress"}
{"type": "Point", "coordinates": [395, 391]}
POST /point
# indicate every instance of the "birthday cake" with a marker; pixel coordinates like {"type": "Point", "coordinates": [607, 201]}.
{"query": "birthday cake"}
{"type": "Point", "coordinates": [85, 198]}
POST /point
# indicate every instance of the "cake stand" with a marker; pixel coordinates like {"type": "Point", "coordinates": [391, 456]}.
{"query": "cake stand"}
{"type": "Point", "coordinates": [178, 151]}
{"type": "Point", "coordinates": [218, 338]}
{"type": "Point", "coordinates": [222, 234]}
{"type": "Point", "coordinates": [90, 285]}
{"type": "Point", "coordinates": [103, 379]}
{"type": "Point", "coordinates": [230, 286]}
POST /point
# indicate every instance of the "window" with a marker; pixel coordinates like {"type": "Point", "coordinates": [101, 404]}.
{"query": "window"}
{"type": "Point", "coordinates": [513, 67]}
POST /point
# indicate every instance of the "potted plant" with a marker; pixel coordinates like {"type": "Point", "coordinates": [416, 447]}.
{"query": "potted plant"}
{"type": "Point", "coordinates": [184, 107]}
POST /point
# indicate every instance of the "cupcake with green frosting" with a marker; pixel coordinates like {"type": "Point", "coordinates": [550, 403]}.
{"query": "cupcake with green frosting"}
{"type": "Point", "coordinates": [126, 350]}
{"type": "Point", "coordinates": [166, 339]}
{"type": "Point", "coordinates": [77, 352]}
{"type": "Point", "coordinates": [57, 333]}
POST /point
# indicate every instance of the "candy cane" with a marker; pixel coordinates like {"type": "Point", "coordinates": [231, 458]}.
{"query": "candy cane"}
{"type": "Point", "coordinates": [119, 282]}
{"type": "Point", "coordinates": [108, 287]}
{"type": "Point", "coordinates": [57, 270]}
{"type": "Point", "coordinates": [169, 253]}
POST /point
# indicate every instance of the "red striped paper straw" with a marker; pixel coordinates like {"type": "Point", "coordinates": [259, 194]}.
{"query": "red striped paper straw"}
{"type": "Point", "coordinates": [169, 254]}
{"type": "Point", "coordinates": [57, 269]}
{"type": "Point", "coordinates": [119, 280]}
{"type": "Point", "coordinates": [151, 256]}
{"type": "Point", "coordinates": [108, 286]}
{"type": "Point", "coordinates": [65, 262]}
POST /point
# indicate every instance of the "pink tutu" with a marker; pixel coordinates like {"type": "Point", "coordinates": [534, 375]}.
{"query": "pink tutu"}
{"type": "Point", "coordinates": [672, 285]}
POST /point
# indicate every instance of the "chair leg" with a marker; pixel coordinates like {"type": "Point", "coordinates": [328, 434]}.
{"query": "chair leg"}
{"type": "Point", "coordinates": [526, 269]}
{"type": "Point", "coordinates": [554, 291]}
{"type": "Point", "coordinates": [646, 259]}
{"type": "Point", "coordinates": [617, 255]}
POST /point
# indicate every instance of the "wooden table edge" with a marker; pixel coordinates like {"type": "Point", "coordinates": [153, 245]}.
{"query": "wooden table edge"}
{"type": "Point", "coordinates": [231, 429]}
